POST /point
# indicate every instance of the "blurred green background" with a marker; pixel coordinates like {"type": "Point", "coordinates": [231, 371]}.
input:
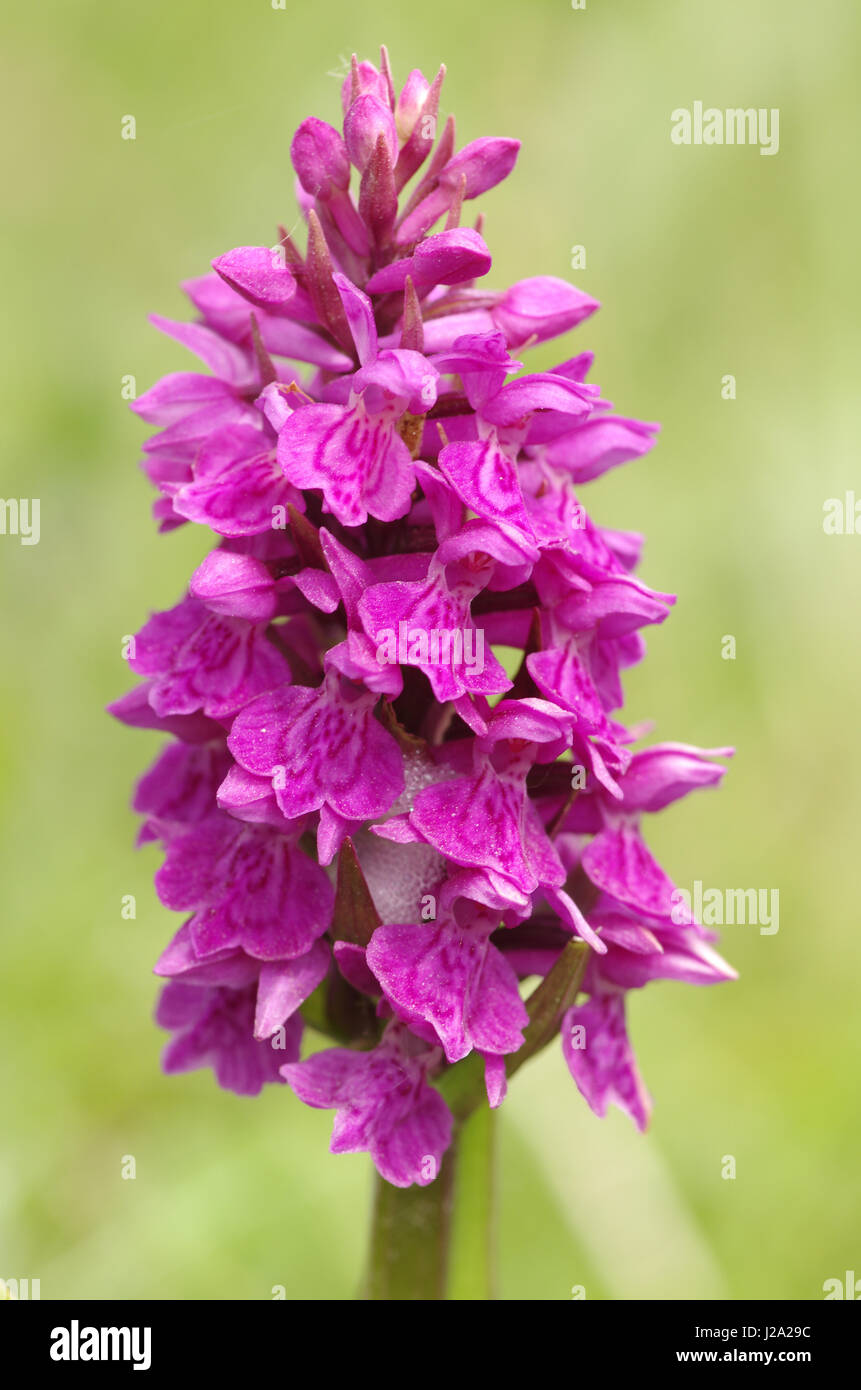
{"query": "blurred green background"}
{"type": "Point", "coordinates": [708, 261]}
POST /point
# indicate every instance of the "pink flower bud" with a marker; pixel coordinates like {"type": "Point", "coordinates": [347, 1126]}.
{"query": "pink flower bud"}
{"type": "Point", "coordinates": [367, 120]}
{"type": "Point", "coordinates": [320, 158]}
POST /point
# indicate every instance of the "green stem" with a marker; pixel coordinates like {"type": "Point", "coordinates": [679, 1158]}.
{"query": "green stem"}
{"type": "Point", "coordinates": [436, 1242]}
{"type": "Point", "coordinates": [472, 1244]}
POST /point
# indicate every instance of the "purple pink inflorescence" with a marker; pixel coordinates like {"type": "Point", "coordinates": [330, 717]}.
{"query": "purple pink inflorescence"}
{"type": "Point", "coordinates": [396, 786]}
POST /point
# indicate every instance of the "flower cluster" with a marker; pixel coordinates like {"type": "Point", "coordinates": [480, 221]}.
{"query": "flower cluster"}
{"type": "Point", "coordinates": [379, 822]}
